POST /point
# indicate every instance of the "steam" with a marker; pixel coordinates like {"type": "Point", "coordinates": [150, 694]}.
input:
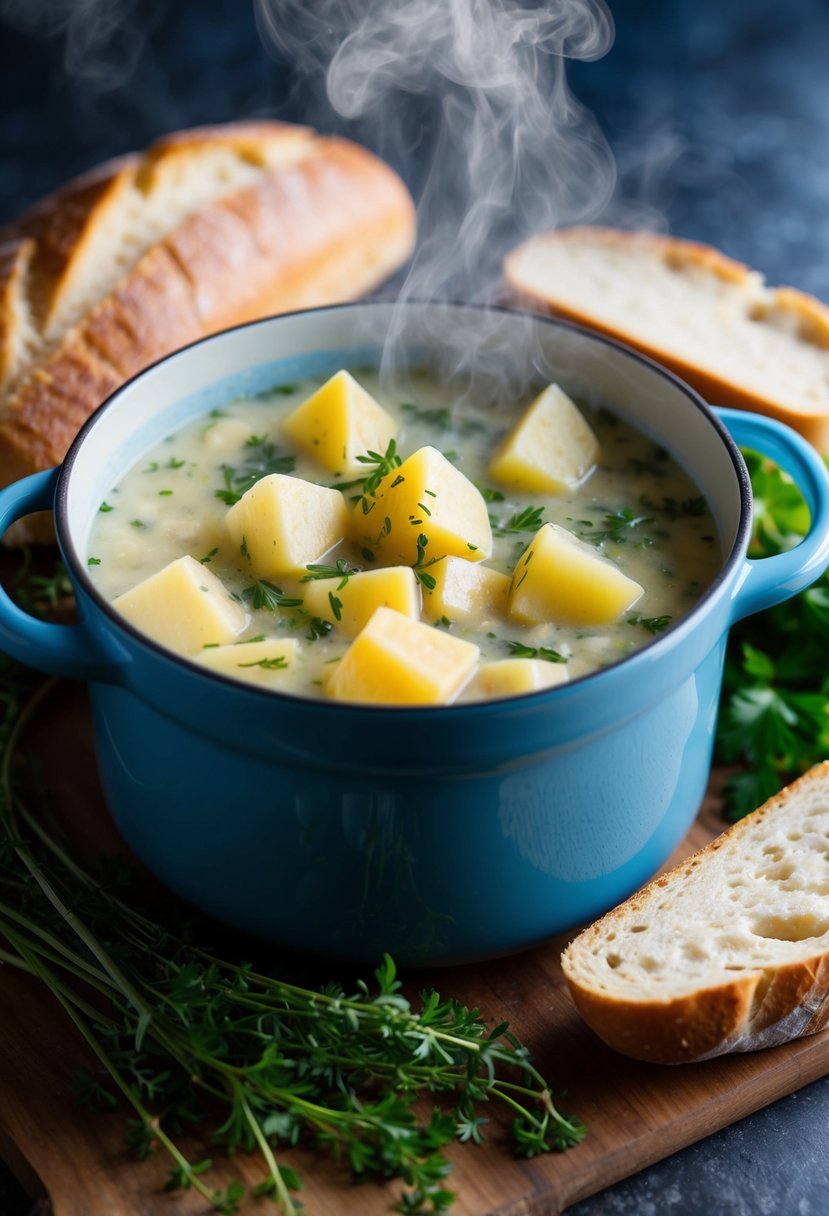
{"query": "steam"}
{"type": "Point", "coordinates": [102, 39]}
{"type": "Point", "coordinates": [477, 91]}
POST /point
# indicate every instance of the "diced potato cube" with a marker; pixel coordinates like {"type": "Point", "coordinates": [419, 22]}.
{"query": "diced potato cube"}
{"type": "Point", "coordinates": [550, 448]}
{"type": "Point", "coordinates": [271, 661]}
{"type": "Point", "coordinates": [465, 591]}
{"type": "Point", "coordinates": [338, 423]}
{"type": "Point", "coordinates": [391, 587]}
{"type": "Point", "coordinates": [284, 523]}
{"type": "Point", "coordinates": [507, 677]}
{"type": "Point", "coordinates": [426, 496]}
{"type": "Point", "coordinates": [561, 578]}
{"type": "Point", "coordinates": [183, 607]}
{"type": "Point", "coordinates": [397, 661]}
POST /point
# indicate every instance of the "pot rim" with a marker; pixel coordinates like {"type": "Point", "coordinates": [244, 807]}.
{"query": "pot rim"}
{"type": "Point", "coordinates": [644, 654]}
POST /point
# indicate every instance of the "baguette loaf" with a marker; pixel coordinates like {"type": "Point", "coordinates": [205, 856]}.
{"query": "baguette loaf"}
{"type": "Point", "coordinates": [208, 229]}
{"type": "Point", "coordinates": [710, 319]}
{"type": "Point", "coordinates": [728, 951]}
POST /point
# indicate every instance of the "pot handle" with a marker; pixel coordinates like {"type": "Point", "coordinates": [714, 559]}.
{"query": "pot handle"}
{"type": "Point", "coordinates": [65, 650]}
{"type": "Point", "coordinates": [771, 580]}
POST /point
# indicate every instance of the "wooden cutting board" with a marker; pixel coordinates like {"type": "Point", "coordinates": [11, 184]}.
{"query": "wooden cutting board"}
{"type": "Point", "coordinates": [635, 1113]}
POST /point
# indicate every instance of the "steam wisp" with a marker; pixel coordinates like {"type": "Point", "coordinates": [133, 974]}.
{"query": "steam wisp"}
{"type": "Point", "coordinates": [475, 89]}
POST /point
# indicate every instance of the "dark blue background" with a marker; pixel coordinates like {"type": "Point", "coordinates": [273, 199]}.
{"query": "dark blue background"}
{"type": "Point", "coordinates": [718, 114]}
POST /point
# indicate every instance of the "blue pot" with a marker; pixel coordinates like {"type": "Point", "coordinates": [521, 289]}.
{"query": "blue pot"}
{"type": "Point", "coordinates": [437, 834]}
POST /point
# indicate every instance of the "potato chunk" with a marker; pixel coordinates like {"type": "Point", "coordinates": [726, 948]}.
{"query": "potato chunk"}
{"type": "Point", "coordinates": [183, 607]}
{"type": "Point", "coordinates": [560, 578]}
{"type": "Point", "coordinates": [338, 423]}
{"type": "Point", "coordinates": [465, 591]}
{"type": "Point", "coordinates": [426, 496]}
{"type": "Point", "coordinates": [271, 661]}
{"type": "Point", "coordinates": [391, 587]}
{"type": "Point", "coordinates": [397, 661]}
{"type": "Point", "coordinates": [549, 449]}
{"type": "Point", "coordinates": [284, 523]}
{"type": "Point", "coordinates": [509, 677]}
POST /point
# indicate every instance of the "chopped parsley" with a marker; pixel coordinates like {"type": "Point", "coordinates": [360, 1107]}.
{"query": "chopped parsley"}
{"type": "Point", "coordinates": [278, 663]}
{"type": "Point", "coordinates": [521, 651]}
{"type": "Point", "coordinates": [265, 458]}
{"type": "Point", "coordinates": [617, 527]}
{"type": "Point", "coordinates": [653, 624]}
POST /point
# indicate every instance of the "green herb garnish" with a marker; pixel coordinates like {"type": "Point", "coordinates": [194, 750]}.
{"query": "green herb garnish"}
{"type": "Point", "coordinates": [653, 624]}
{"type": "Point", "coordinates": [278, 663]}
{"type": "Point", "coordinates": [262, 594]}
{"type": "Point", "coordinates": [383, 465]}
{"type": "Point", "coordinates": [528, 520]}
{"type": "Point", "coordinates": [265, 458]}
{"type": "Point", "coordinates": [774, 713]}
{"type": "Point", "coordinates": [676, 508]}
{"type": "Point", "coordinates": [318, 628]}
{"type": "Point", "coordinates": [421, 566]}
{"type": "Point", "coordinates": [341, 569]}
{"type": "Point", "coordinates": [521, 651]}
{"type": "Point", "coordinates": [181, 1037]}
{"type": "Point", "coordinates": [617, 527]}
{"type": "Point", "coordinates": [488, 494]}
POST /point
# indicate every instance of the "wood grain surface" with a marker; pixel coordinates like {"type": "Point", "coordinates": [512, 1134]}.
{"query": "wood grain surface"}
{"type": "Point", "coordinates": [635, 1113]}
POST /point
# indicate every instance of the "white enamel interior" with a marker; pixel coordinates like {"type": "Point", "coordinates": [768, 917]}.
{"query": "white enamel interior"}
{"type": "Point", "coordinates": [516, 348]}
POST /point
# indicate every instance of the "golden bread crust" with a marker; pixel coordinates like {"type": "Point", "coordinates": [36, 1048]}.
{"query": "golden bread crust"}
{"type": "Point", "coordinates": [313, 221]}
{"type": "Point", "coordinates": [760, 1006]}
{"type": "Point", "coordinates": [802, 314]}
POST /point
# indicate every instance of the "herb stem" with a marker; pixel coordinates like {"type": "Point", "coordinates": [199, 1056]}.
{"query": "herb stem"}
{"type": "Point", "coordinates": [289, 1208]}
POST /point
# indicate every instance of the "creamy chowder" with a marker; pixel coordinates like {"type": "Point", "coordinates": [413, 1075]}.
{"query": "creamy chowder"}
{"type": "Point", "coordinates": [508, 550]}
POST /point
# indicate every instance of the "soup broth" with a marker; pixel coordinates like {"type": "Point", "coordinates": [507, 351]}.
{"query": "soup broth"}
{"type": "Point", "coordinates": [634, 509]}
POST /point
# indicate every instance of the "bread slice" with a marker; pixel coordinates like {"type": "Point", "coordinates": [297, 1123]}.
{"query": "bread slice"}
{"type": "Point", "coordinates": [728, 951]}
{"type": "Point", "coordinates": [710, 319]}
{"type": "Point", "coordinates": [209, 228]}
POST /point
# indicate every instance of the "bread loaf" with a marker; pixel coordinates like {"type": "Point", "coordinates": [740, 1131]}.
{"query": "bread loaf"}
{"type": "Point", "coordinates": [710, 319]}
{"type": "Point", "coordinates": [207, 229]}
{"type": "Point", "coordinates": [727, 952]}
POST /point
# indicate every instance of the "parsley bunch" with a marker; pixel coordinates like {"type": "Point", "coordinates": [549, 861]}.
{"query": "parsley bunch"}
{"type": "Point", "coordinates": [774, 714]}
{"type": "Point", "coordinates": [183, 1037]}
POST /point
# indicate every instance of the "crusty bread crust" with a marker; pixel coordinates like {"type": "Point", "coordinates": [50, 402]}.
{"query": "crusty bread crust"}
{"type": "Point", "coordinates": [762, 1006]}
{"type": "Point", "coordinates": [806, 318]}
{"type": "Point", "coordinates": [307, 221]}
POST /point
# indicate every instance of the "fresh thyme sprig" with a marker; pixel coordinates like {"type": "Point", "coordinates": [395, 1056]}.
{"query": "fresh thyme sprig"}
{"type": "Point", "coordinates": [262, 594]}
{"type": "Point", "coordinates": [421, 566]}
{"type": "Point", "coordinates": [181, 1035]}
{"type": "Point", "coordinates": [341, 569]}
